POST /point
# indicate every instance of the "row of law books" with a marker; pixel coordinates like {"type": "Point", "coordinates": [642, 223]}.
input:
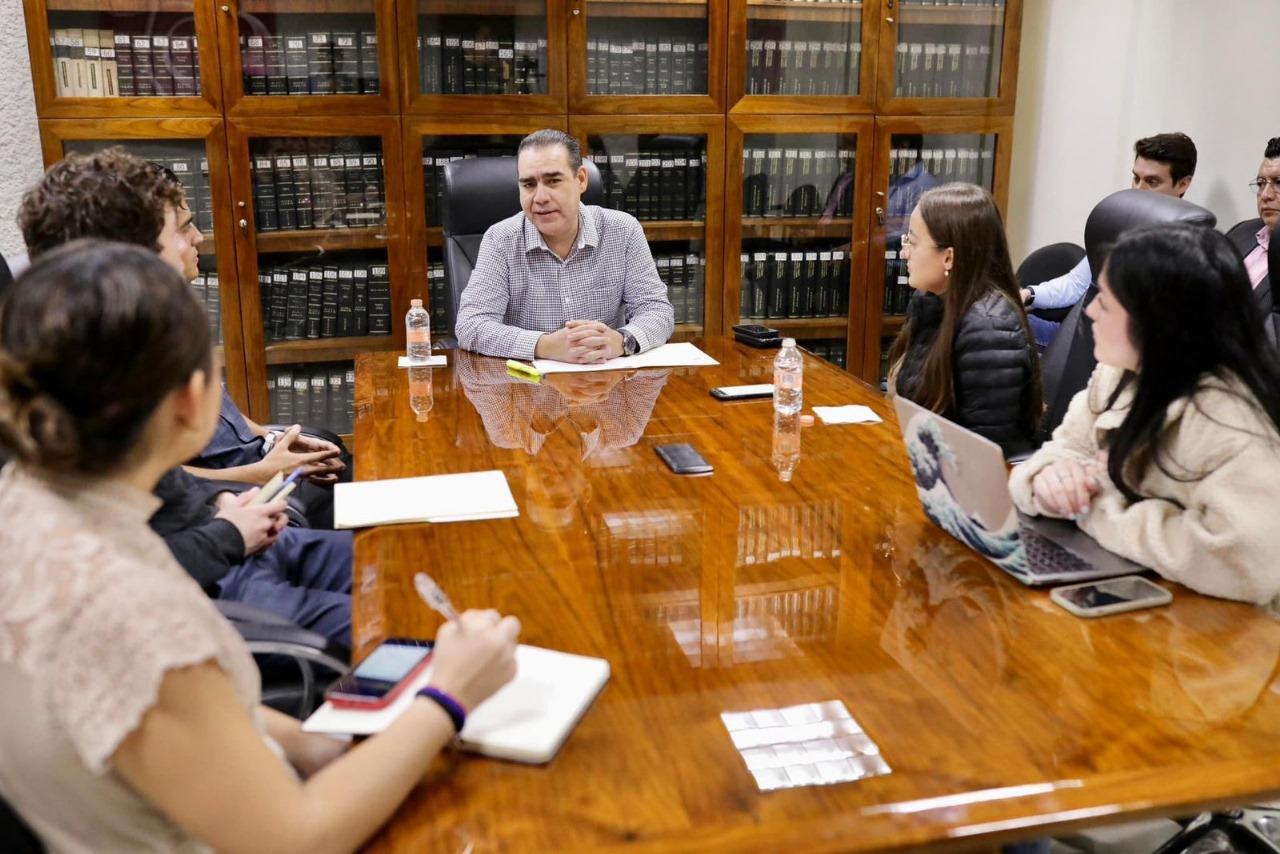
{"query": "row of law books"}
{"type": "Point", "coordinates": [319, 395]}
{"type": "Point", "coordinates": [658, 58]}
{"type": "Point", "coordinates": [834, 350]}
{"type": "Point", "coordinates": [685, 278]}
{"type": "Point", "coordinates": [467, 60]}
{"type": "Point", "coordinates": [193, 174]}
{"type": "Point", "coordinates": [803, 66]}
{"type": "Point", "coordinates": [797, 182]}
{"type": "Point", "coordinates": [433, 164]}
{"type": "Point", "coordinates": [813, 283]}
{"type": "Point", "coordinates": [777, 531]}
{"type": "Point", "coordinates": [318, 62]}
{"type": "Point", "coordinates": [655, 184]}
{"type": "Point", "coordinates": [801, 615]}
{"type": "Point", "coordinates": [325, 301]}
{"type": "Point", "coordinates": [319, 188]}
{"type": "Point", "coordinates": [440, 303]}
{"type": "Point", "coordinates": [950, 163]}
{"type": "Point", "coordinates": [108, 64]}
{"type": "Point", "coordinates": [897, 291]}
{"type": "Point", "coordinates": [944, 70]}
{"type": "Point", "coordinates": [209, 294]}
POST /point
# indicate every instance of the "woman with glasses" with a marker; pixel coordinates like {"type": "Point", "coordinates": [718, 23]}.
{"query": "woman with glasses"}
{"type": "Point", "coordinates": [1171, 455]}
{"type": "Point", "coordinates": [131, 708]}
{"type": "Point", "coordinates": [965, 350]}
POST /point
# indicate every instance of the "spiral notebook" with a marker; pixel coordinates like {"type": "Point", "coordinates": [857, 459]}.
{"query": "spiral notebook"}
{"type": "Point", "coordinates": [527, 720]}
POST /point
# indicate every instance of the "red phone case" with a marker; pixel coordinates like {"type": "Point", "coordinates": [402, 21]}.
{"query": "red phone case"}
{"type": "Point", "coordinates": [372, 704]}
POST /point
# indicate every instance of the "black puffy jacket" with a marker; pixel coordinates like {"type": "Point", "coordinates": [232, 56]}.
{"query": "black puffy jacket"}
{"type": "Point", "coordinates": [992, 363]}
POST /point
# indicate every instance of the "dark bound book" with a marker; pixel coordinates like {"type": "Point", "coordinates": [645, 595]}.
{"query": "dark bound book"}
{"type": "Point", "coordinates": [812, 285]}
{"type": "Point", "coordinates": [353, 179]}
{"type": "Point", "coordinates": [374, 201]}
{"type": "Point", "coordinates": [315, 300]}
{"type": "Point", "coordinates": [822, 285]}
{"type": "Point", "coordinates": [253, 61]}
{"type": "Point", "coordinates": [184, 66]}
{"type": "Point", "coordinates": [286, 211]}
{"type": "Point", "coordinates": [162, 66]}
{"type": "Point", "coordinates": [329, 304]}
{"type": "Point", "coordinates": [840, 286]}
{"type": "Point", "coordinates": [181, 167]}
{"type": "Point", "coordinates": [432, 62]}
{"type": "Point", "coordinates": [360, 301]}
{"type": "Point", "coordinates": [346, 303]}
{"type": "Point", "coordinates": [303, 202]}
{"type": "Point", "coordinates": [669, 204]}
{"type": "Point", "coordinates": [471, 74]}
{"type": "Point", "coordinates": [278, 317]}
{"type": "Point", "coordinates": [683, 190]}
{"type": "Point", "coordinates": [295, 323]}
{"type": "Point", "coordinates": [282, 396]}
{"type": "Point", "coordinates": [759, 285]}
{"type": "Point", "coordinates": [301, 396]}
{"type": "Point", "coordinates": [144, 80]}
{"type": "Point", "coordinates": [295, 64]}
{"type": "Point", "coordinates": [318, 380]}
{"type": "Point", "coordinates": [264, 196]}
{"type": "Point", "coordinates": [779, 295]}
{"type": "Point", "coordinates": [370, 75]}
{"type": "Point", "coordinates": [796, 296]}
{"type": "Point", "coordinates": [277, 77]}
{"type": "Point", "coordinates": [322, 191]}
{"type": "Point", "coordinates": [124, 64]}
{"type": "Point", "coordinates": [346, 63]}
{"type": "Point", "coordinates": [349, 390]}
{"type": "Point", "coordinates": [337, 411]}
{"type": "Point", "coordinates": [379, 300]}
{"type": "Point", "coordinates": [453, 65]}
{"type": "Point", "coordinates": [320, 80]}
{"type": "Point", "coordinates": [204, 216]}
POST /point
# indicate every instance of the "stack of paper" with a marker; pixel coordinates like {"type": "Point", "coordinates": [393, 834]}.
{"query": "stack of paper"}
{"type": "Point", "coordinates": [667, 356]}
{"type": "Point", "coordinates": [851, 414]}
{"type": "Point", "coordinates": [526, 720]}
{"type": "Point", "coordinates": [437, 360]}
{"type": "Point", "coordinates": [441, 498]}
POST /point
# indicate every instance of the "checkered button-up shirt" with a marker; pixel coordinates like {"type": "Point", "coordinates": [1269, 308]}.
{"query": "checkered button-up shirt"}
{"type": "Point", "coordinates": [520, 289]}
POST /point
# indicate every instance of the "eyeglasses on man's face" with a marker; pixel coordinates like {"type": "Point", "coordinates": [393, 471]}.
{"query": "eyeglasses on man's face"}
{"type": "Point", "coordinates": [1260, 186]}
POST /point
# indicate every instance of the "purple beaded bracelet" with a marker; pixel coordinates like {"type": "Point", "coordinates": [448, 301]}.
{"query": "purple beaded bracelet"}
{"type": "Point", "coordinates": [452, 707]}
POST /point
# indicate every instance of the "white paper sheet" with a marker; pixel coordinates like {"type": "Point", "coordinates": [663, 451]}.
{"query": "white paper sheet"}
{"type": "Point", "coordinates": [440, 498]}
{"type": "Point", "coordinates": [851, 414]}
{"type": "Point", "coordinates": [679, 355]}
{"type": "Point", "coordinates": [438, 360]}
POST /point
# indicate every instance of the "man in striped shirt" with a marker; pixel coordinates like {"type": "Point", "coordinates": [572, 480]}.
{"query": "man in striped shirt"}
{"type": "Point", "coordinates": [562, 280]}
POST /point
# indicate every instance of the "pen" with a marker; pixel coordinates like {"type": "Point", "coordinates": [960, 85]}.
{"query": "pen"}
{"type": "Point", "coordinates": [520, 369]}
{"type": "Point", "coordinates": [434, 596]}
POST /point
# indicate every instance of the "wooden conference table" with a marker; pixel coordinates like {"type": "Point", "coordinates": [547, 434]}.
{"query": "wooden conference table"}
{"type": "Point", "coordinates": [1001, 716]}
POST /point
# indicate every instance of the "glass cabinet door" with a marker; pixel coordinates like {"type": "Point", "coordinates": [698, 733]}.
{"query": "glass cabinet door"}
{"type": "Point", "coordinates": [915, 163]}
{"type": "Point", "coordinates": [797, 198]}
{"type": "Point", "coordinates": [662, 179]}
{"type": "Point", "coordinates": [495, 57]}
{"type": "Point", "coordinates": [801, 50]}
{"type": "Point", "coordinates": [287, 50]}
{"type": "Point", "coordinates": [109, 53]}
{"type": "Point", "coordinates": [947, 52]}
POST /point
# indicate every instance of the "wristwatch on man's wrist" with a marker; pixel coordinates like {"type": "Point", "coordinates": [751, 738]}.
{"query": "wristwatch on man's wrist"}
{"type": "Point", "coordinates": [1031, 298]}
{"type": "Point", "coordinates": [630, 346]}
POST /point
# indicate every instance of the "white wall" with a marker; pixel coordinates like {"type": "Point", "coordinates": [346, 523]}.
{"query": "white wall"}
{"type": "Point", "coordinates": [1095, 75]}
{"type": "Point", "coordinates": [20, 163]}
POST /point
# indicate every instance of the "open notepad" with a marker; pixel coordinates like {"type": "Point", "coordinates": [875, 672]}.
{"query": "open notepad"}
{"type": "Point", "coordinates": [667, 356]}
{"type": "Point", "coordinates": [526, 721]}
{"type": "Point", "coordinates": [439, 498]}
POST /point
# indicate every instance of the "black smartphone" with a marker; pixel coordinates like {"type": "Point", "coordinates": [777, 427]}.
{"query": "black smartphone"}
{"type": "Point", "coordinates": [382, 675]}
{"type": "Point", "coordinates": [683, 459]}
{"type": "Point", "coordinates": [742, 392]}
{"type": "Point", "coordinates": [755, 330]}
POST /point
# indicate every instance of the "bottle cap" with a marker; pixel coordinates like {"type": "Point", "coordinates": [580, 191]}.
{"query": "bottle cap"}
{"type": "Point", "coordinates": [415, 303]}
{"type": "Point", "coordinates": [788, 342]}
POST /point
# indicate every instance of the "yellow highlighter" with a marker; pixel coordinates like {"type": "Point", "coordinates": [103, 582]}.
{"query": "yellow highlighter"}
{"type": "Point", "coordinates": [522, 371]}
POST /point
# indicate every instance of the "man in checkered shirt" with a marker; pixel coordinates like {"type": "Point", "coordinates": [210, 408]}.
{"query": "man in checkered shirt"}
{"type": "Point", "coordinates": [562, 280]}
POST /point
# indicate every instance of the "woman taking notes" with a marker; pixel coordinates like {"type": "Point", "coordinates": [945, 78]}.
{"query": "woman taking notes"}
{"type": "Point", "coordinates": [965, 350]}
{"type": "Point", "coordinates": [130, 707]}
{"type": "Point", "coordinates": [1171, 455]}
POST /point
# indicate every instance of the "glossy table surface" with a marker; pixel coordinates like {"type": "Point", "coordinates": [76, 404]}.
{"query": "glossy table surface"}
{"type": "Point", "coordinates": [1000, 715]}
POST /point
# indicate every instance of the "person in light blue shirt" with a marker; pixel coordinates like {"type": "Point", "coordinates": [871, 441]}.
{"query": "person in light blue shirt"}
{"type": "Point", "coordinates": [1164, 163]}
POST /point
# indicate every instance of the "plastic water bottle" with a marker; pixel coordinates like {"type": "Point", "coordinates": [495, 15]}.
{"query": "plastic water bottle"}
{"type": "Point", "coordinates": [786, 445]}
{"type": "Point", "coordinates": [417, 332]}
{"type": "Point", "coordinates": [788, 379]}
{"type": "Point", "coordinates": [421, 396]}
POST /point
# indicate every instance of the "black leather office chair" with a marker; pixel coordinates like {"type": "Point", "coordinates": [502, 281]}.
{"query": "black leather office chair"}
{"type": "Point", "coordinates": [479, 192]}
{"type": "Point", "coordinates": [15, 836]}
{"type": "Point", "coordinates": [6, 277]}
{"type": "Point", "coordinates": [1068, 361]}
{"type": "Point", "coordinates": [1049, 262]}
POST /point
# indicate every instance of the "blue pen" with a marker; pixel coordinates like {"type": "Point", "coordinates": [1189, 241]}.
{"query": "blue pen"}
{"type": "Point", "coordinates": [281, 491]}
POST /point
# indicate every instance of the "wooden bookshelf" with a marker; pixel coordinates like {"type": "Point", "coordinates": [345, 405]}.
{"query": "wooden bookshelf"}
{"type": "Point", "coordinates": [979, 16]}
{"type": "Point", "coordinates": [328, 349]}
{"type": "Point", "coordinates": [796, 226]}
{"type": "Point", "coordinates": [647, 8]}
{"type": "Point", "coordinates": [674, 229]}
{"type": "Point", "coordinates": [812, 325]}
{"type": "Point", "coordinates": [306, 7]}
{"type": "Point", "coordinates": [322, 239]}
{"type": "Point", "coordinates": [798, 10]}
{"type": "Point", "coordinates": [890, 324]}
{"type": "Point", "coordinates": [495, 8]}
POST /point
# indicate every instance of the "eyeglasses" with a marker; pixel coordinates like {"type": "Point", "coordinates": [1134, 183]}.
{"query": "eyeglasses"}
{"type": "Point", "coordinates": [1259, 186]}
{"type": "Point", "coordinates": [907, 243]}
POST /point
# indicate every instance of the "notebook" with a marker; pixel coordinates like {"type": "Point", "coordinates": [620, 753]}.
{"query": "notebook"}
{"type": "Point", "coordinates": [527, 720]}
{"type": "Point", "coordinates": [439, 498]}
{"type": "Point", "coordinates": [679, 355]}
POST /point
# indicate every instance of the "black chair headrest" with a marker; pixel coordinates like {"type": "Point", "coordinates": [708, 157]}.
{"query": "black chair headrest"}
{"type": "Point", "coordinates": [481, 191]}
{"type": "Point", "coordinates": [6, 277]}
{"type": "Point", "coordinates": [1130, 209]}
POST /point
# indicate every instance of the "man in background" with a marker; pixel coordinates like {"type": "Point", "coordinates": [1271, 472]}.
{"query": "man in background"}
{"type": "Point", "coordinates": [1252, 238]}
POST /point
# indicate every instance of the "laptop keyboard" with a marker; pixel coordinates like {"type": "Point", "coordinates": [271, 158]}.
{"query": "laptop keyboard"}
{"type": "Point", "coordinates": [1045, 557]}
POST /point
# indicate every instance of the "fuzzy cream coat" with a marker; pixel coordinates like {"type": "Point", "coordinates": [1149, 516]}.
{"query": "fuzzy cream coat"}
{"type": "Point", "coordinates": [1225, 538]}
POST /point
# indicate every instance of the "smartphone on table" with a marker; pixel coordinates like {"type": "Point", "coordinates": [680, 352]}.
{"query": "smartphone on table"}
{"type": "Point", "coordinates": [683, 459]}
{"type": "Point", "coordinates": [380, 677]}
{"type": "Point", "coordinates": [742, 392]}
{"type": "Point", "coordinates": [1113, 596]}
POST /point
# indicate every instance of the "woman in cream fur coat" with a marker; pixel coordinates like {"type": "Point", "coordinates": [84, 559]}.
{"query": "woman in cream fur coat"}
{"type": "Point", "coordinates": [1171, 455]}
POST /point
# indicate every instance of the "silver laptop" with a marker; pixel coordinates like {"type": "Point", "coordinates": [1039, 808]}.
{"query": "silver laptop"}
{"type": "Point", "coordinates": [964, 489]}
